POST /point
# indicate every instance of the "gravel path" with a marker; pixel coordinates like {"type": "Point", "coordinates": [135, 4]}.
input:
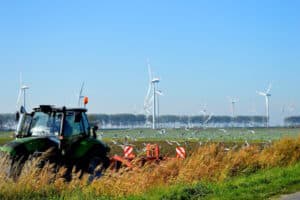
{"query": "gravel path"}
{"type": "Point", "coordinates": [295, 196]}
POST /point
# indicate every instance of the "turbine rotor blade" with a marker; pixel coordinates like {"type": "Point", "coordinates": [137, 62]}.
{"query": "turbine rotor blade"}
{"type": "Point", "coordinates": [80, 94]}
{"type": "Point", "coordinates": [149, 70]}
{"type": "Point", "coordinates": [269, 88]}
{"type": "Point", "coordinates": [261, 93]}
{"type": "Point", "coordinates": [20, 79]}
{"type": "Point", "coordinates": [19, 97]}
{"type": "Point", "coordinates": [159, 92]}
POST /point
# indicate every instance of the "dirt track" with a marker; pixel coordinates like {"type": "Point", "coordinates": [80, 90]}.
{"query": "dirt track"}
{"type": "Point", "coordinates": [295, 196]}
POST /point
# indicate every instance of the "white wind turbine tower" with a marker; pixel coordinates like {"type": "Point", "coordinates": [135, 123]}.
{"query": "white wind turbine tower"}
{"type": "Point", "coordinates": [150, 102]}
{"type": "Point", "coordinates": [233, 102]}
{"type": "Point", "coordinates": [267, 96]}
{"type": "Point", "coordinates": [158, 93]}
{"type": "Point", "coordinates": [22, 92]}
{"type": "Point", "coordinates": [155, 82]}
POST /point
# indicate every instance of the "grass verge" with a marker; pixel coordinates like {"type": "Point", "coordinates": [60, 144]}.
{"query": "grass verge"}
{"type": "Point", "coordinates": [261, 185]}
{"type": "Point", "coordinates": [211, 172]}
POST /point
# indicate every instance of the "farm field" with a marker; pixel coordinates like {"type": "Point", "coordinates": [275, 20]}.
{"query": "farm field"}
{"type": "Point", "coordinates": [210, 134]}
{"type": "Point", "coordinates": [190, 139]}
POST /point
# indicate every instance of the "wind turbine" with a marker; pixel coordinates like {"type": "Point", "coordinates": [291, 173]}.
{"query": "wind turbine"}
{"type": "Point", "coordinates": [80, 96]}
{"type": "Point", "coordinates": [233, 102]}
{"type": "Point", "coordinates": [150, 101]}
{"type": "Point", "coordinates": [203, 110]}
{"type": "Point", "coordinates": [267, 96]}
{"type": "Point", "coordinates": [22, 92]}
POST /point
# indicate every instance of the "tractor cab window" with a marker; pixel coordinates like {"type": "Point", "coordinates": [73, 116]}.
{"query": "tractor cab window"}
{"type": "Point", "coordinates": [85, 123]}
{"type": "Point", "coordinates": [45, 124]}
{"type": "Point", "coordinates": [73, 124]}
{"type": "Point", "coordinates": [23, 125]}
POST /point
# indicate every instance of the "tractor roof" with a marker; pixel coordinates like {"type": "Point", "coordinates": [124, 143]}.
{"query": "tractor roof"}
{"type": "Point", "coordinates": [51, 108]}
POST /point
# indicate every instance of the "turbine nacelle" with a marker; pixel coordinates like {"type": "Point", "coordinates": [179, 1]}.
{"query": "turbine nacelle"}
{"type": "Point", "coordinates": [155, 80]}
{"type": "Point", "coordinates": [24, 87]}
{"type": "Point", "coordinates": [264, 94]}
{"type": "Point", "coordinates": [233, 100]}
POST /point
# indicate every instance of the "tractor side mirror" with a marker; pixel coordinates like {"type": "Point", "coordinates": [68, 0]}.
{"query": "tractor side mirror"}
{"type": "Point", "coordinates": [78, 117]}
{"type": "Point", "coordinates": [22, 110]}
{"type": "Point", "coordinates": [95, 129]}
{"type": "Point", "coordinates": [17, 116]}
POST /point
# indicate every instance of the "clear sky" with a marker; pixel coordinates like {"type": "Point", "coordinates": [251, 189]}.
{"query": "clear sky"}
{"type": "Point", "coordinates": [203, 51]}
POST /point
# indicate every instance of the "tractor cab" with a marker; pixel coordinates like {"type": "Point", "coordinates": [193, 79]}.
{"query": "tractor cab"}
{"type": "Point", "coordinates": [49, 121]}
{"type": "Point", "coordinates": [65, 132]}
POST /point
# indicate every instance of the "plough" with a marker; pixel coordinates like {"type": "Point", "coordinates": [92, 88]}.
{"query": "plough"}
{"type": "Point", "coordinates": [130, 160]}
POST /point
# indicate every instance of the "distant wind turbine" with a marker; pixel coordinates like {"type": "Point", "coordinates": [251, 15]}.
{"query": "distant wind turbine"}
{"type": "Point", "coordinates": [267, 96]}
{"type": "Point", "coordinates": [22, 92]}
{"type": "Point", "coordinates": [233, 102]}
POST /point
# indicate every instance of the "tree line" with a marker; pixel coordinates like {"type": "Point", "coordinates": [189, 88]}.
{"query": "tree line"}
{"type": "Point", "coordinates": [293, 121]}
{"type": "Point", "coordinates": [127, 120]}
{"type": "Point", "coordinates": [7, 121]}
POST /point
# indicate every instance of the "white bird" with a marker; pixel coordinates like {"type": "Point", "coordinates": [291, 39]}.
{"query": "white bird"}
{"type": "Point", "coordinates": [175, 142]}
{"type": "Point", "coordinates": [114, 142]}
{"type": "Point", "coordinates": [235, 147]}
{"type": "Point", "coordinates": [246, 143]}
{"type": "Point", "coordinates": [122, 146]}
{"type": "Point", "coordinates": [223, 130]}
{"type": "Point", "coordinates": [168, 142]}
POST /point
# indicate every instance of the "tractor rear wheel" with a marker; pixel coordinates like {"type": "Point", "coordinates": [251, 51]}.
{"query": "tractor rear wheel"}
{"type": "Point", "coordinates": [15, 166]}
{"type": "Point", "coordinates": [97, 165]}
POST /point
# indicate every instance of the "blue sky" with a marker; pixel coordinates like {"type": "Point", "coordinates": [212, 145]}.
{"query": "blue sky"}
{"type": "Point", "coordinates": [203, 51]}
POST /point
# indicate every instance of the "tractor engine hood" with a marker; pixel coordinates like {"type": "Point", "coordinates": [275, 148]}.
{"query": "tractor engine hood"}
{"type": "Point", "coordinates": [29, 145]}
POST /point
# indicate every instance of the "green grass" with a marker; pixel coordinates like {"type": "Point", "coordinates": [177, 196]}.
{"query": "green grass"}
{"type": "Point", "coordinates": [5, 137]}
{"type": "Point", "coordinates": [261, 185]}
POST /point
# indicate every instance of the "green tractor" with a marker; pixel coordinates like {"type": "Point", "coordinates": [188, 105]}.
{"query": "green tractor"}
{"type": "Point", "coordinates": [61, 136]}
